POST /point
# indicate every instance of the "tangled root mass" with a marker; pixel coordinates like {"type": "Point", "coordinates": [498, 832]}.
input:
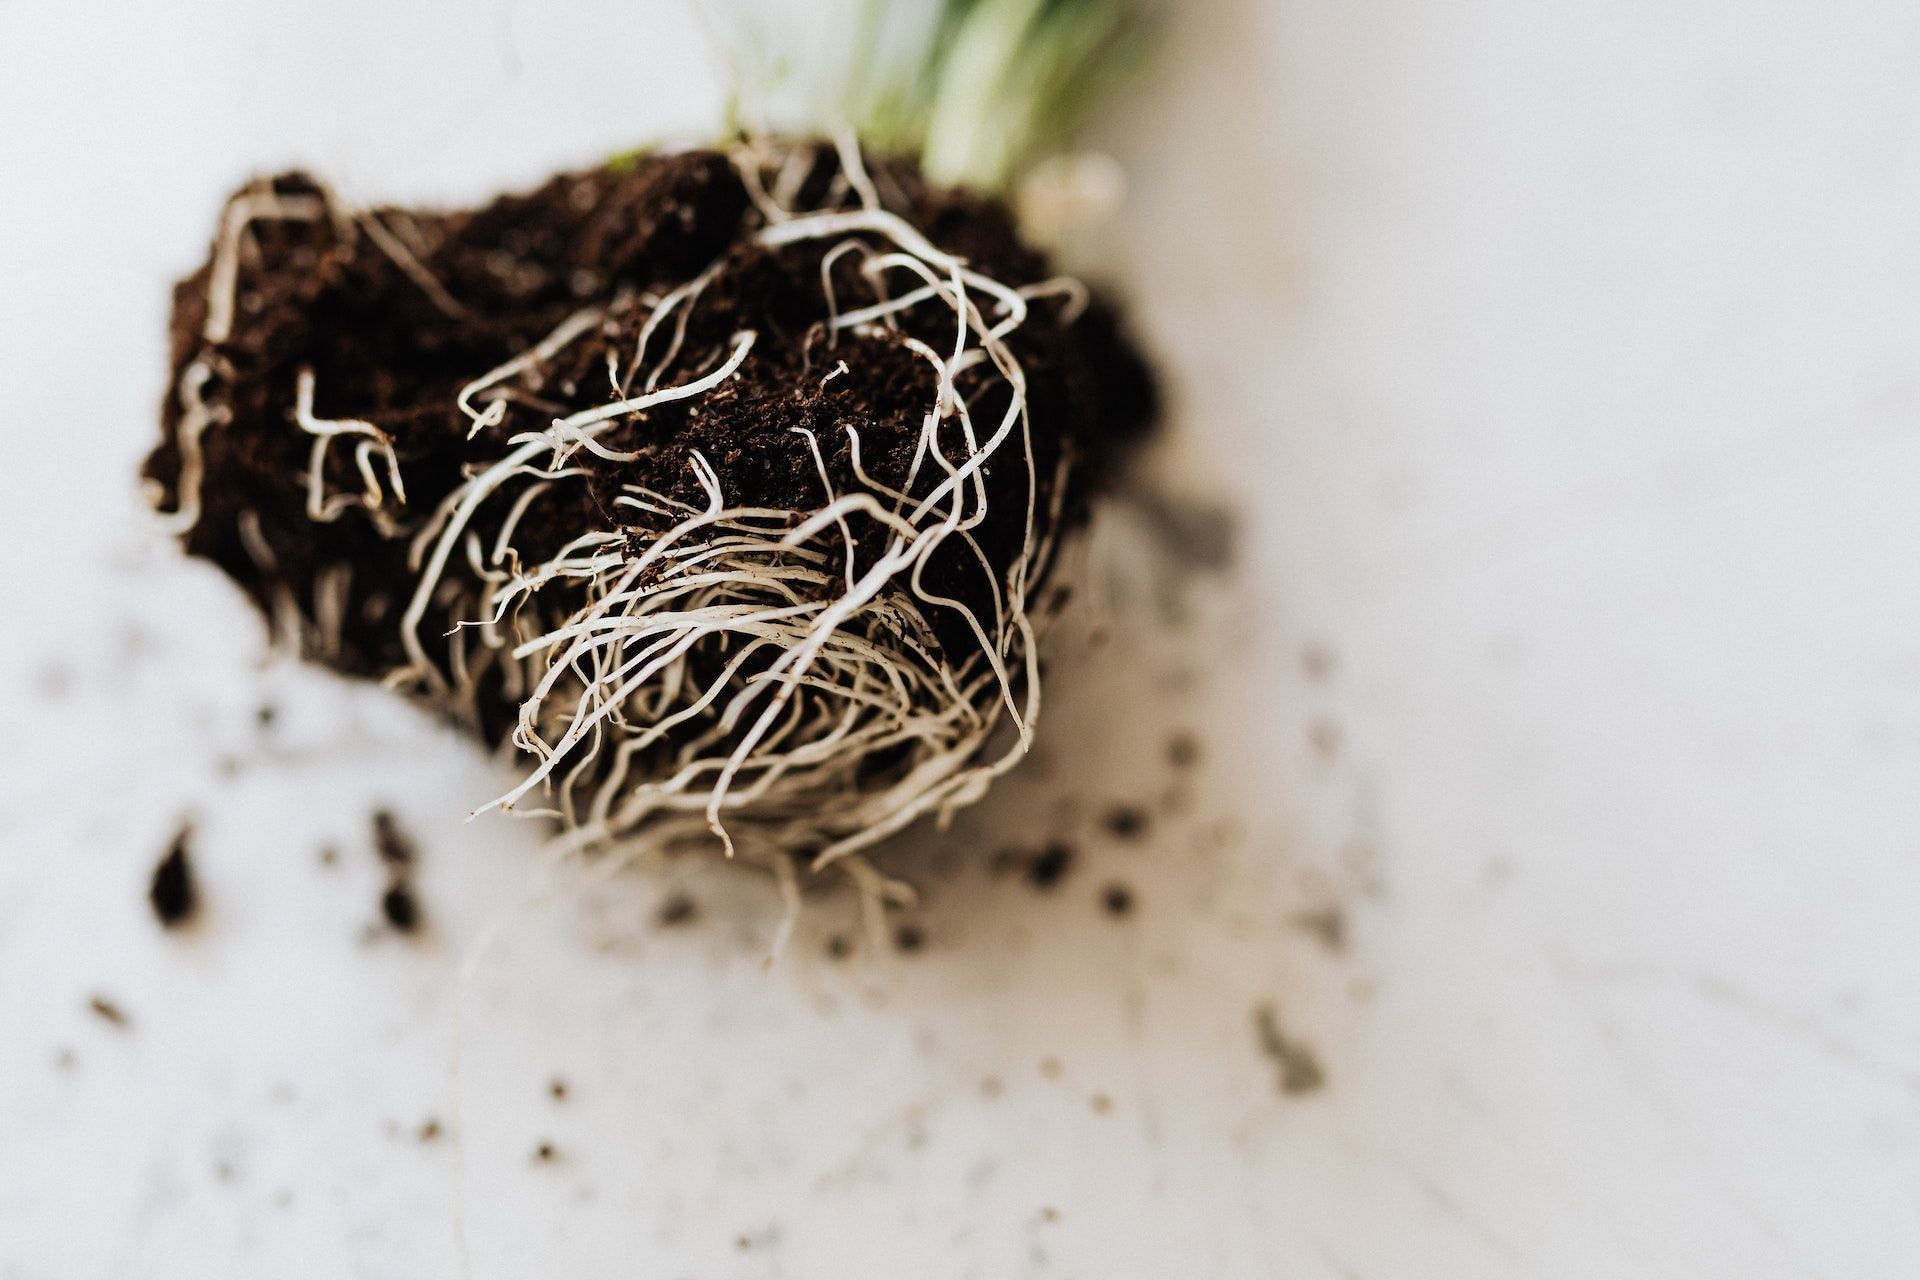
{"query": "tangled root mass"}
{"type": "Point", "coordinates": [730, 487]}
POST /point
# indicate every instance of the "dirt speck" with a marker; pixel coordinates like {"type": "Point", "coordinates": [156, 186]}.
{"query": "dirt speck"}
{"type": "Point", "coordinates": [172, 892]}
{"type": "Point", "coordinates": [108, 1010]}
{"type": "Point", "coordinates": [557, 1089]}
{"type": "Point", "coordinates": [1050, 866]}
{"type": "Point", "coordinates": [545, 1153]}
{"type": "Point", "coordinates": [1183, 751]}
{"type": "Point", "coordinates": [1318, 660]}
{"type": "Point", "coordinates": [1297, 1065]}
{"type": "Point", "coordinates": [395, 847]}
{"type": "Point", "coordinates": [429, 1129]}
{"type": "Point", "coordinates": [678, 909]}
{"type": "Point", "coordinates": [1126, 821]}
{"type": "Point", "coordinates": [1117, 899]}
{"type": "Point", "coordinates": [839, 946]}
{"type": "Point", "coordinates": [909, 937]}
{"type": "Point", "coordinates": [400, 908]}
{"type": "Point", "coordinates": [1325, 925]}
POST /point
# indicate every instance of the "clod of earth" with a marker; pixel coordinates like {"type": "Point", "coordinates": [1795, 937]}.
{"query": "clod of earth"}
{"type": "Point", "coordinates": [1050, 866]}
{"type": "Point", "coordinates": [173, 893]}
{"type": "Point", "coordinates": [732, 488]}
{"type": "Point", "coordinates": [1298, 1067]}
{"type": "Point", "coordinates": [400, 908]}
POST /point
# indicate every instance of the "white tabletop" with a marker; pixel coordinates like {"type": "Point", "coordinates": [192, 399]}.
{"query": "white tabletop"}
{"type": "Point", "coordinates": [1560, 362]}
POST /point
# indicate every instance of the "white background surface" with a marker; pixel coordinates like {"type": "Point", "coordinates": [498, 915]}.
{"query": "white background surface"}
{"type": "Point", "coordinates": [1561, 361]}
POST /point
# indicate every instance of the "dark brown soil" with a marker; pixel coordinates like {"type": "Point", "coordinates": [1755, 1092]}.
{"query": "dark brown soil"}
{"type": "Point", "coordinates": [678, 909]}
{"type": "Point", "coordinates": [391, 842]}
{"type": "Point", "coordinates": [108, 1010]}
{"type": "Point", "coordinates": [1050, 866]}
{"type": "Point", "coordinates": [173, 893]}
{"type": "Point", "coordinates": [400, 908]}
{"type": "Point", "coordinates": [324, 296]}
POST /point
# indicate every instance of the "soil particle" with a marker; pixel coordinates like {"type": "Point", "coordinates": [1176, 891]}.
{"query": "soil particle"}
{"type": "Point", "coordinates": [391, 841]}
{"type": "Point", "coordinates": [1326, 925]}
{"type": "Point", "coordinates": [1183, 751]}
{"type": "Point", "coordinates": [429, 1129]}
{"type": "Point", "coordinates": [108, 1010]}
{"type": "Point", "coordinates": [1050, 866]}
{"type": "Point", "coordinates": [173, 893]}
{"type": "Point", "coordinates": [678, 909]}
{"type": "Point", "coordinates": [909, 937]}
{"type": "Point", "coordinates": [1126, 821]}
{"type": "Point", "coordinates": [839, 946]}
{"type": "Point", "coordinates": [1117, 900]}
{"type": "Point", "coordinates": [1297, 1066]}
{"type": "Point", "coordinates": [400, 908]}
{"type": "Point", "coordinates": [557, 1089]}
{"type": "Point", "coordinates": [545, 1153]}
{"type": "Point", "coordinates": [1318, 660]}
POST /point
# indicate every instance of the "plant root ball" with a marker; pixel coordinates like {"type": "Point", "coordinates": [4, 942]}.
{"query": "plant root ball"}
{"type": "Point", "coordinates": [752, 467]}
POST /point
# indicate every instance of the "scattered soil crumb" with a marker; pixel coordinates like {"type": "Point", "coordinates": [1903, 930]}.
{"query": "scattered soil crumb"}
{"type": "Point", "coordinates": [395, 847]}
{"type": "Point", "coordinates": [909, 936]}
{"type": "Point", "coordinates": [108, 1009]}
{"type": "Point", "coordinates": [55, 682]}
{"type": "Point", "coordinates": [172, 892]}
{"type": "Point", "coordinates": [1318, 660]}
{"type": "Point", "coordinates": [557, 1089]}
{"type": "Point", "coordinates": [1183, 751]}
{"type": "Point", "coordinates": [545, 1153]}
{"type": "Point", "coordinates": [1325, 925]}
{"type": "Point", "coordinates": [265, 714]}
{"type": "Point", "coordinates": [1049, 1214]}
{"type": "Point", "coordinates": [678, 909]}
{"type": "Point", "coordinates": [1298, 1066]}
{"type": "Point", "coordinates": [1050, 866]}
{"type": "Point", "coordinates": [1117, 899]}
{"type": "Point", "coordinates": [1050, 1068]}
{"type": "Point", "coordinates": [991, 1087]}
{"type": "Point", "coordinates": [400, 908]}
{"type": "Point", "coordinates": [329, 856]}
{"type": "Point", "coordinates": [1126, 821]}
{"type": "Point", "coordinates": [839, 946]}
{"type": "Point", "coordinates": [1100, 1103]}
{"type": "Point", "coordinates": [429, 1129]}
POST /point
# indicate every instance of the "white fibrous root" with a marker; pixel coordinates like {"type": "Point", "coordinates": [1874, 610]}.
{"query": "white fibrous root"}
{"type": "Point", "coordinates": [258, 203]}
{"type": "Point", "coordinates": [762, 679]}
{"type": "Point", "coordinates": [324, 509]}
